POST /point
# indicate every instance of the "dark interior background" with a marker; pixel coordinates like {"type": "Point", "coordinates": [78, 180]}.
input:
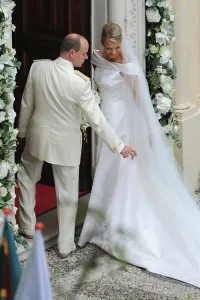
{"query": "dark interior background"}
{"type": "Point", "coordinates": [40, 28]}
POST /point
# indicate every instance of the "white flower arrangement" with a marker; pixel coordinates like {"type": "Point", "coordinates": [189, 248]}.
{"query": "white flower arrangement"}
{"type": "Point", "coordinates": [153, 15]}
{"type": "Point", "coordinates": [160, 67]}
{"type": "Point", "coordinates": [8, 71]}
{"type": "Point", "coordinates": [84, 123]}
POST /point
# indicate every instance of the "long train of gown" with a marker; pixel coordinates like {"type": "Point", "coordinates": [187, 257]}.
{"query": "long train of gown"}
{"type": "Point", "coordinates": [132, 213]}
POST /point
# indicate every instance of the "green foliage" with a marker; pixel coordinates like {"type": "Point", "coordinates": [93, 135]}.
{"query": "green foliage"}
{"type": "Point", "coordinates": [8, 71]}
{"type": "Point", "coordinates": [160, 67]}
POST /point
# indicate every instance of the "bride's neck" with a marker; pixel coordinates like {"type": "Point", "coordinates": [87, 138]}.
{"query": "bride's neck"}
{"type": "Point", "coordinates": [118, 59]}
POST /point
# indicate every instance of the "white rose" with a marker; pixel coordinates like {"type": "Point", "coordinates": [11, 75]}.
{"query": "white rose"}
{"type": "Point", "coordinates": [2, 104]}
{"type": "Point", "coordinates": [163, 3]}
{"type": "Point", "coordinates": [10, 97]}
{"type": "Point", "coordinates": [6, 35]}
{"type": "Point", "coordinates": [153, 15]}
{"type": "Point", "coordinates": [165, 27]}
{"type": "Point", "coordinates": [3, 191]}
{"type": "Point", "coordinates": [158, 115]}
{"type": "Point", "coordinates": [165, 53]}
{"type": "Point", "coordinates": [163, 60]}
{"type": "Point", "coordinates": [2, 116]}
{"type": "Point", "coordinates": [149, 3]}
{"type": "Point", "coordinates": [164, 71]}
{"type": "Point", "coordinates": [11, 72]}
{"type": "Point", "coordinates": [15, 132]}
{"type": "Point", "coordinates": [170, 64]}
{"type": "Point", "coordinates": [13, 51]}
{"type": "Point", "coordinates": [6, 60]}
{"type": "Point", "coordinates": [168, 128]}
{"type": "Point", "coordinates": [5, 9]}
{"type": "Point", "coordinates": [4, 169]}
{"type": "Point", "coordinates": [1, 66]}
{"type": "Point", "coordinates": [172, 18]}
{"type": "Point", "coordinates": [166, 84]}
{"type": "Point", "coordinates": [15, 169]}
{"type": "Point", "coordinates": [153, 49]}
{"type": "Point", "coordinates": [163, 103]}
{"type": "Point", "coordinates": [161, 38]}
{"type": "Point", "coordinates": [11, 115]}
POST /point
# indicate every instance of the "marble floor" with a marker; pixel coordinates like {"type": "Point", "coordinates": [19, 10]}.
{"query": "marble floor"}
{"type": "Point", "coordinates": [90, 273]}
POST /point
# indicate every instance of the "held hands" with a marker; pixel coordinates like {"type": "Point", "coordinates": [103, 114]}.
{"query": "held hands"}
{"type": "Point", "coordinates": [128, 151]}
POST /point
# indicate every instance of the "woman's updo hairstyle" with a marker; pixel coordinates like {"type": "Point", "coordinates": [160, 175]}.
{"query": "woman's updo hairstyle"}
{"type": "Point", "coordinates": [111, 31]}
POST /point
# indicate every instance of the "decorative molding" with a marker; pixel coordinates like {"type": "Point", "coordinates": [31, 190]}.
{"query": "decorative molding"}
{"type": "Point", "coordinates": [131, 22]}
{"type": "Point", "coordinates": [135, 27]}
{"type": "Point", "coordinates": [99, 17]}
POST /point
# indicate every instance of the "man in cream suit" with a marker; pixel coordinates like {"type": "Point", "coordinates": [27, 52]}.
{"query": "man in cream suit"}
{"type": "Point", "coordinates": [50, 118]}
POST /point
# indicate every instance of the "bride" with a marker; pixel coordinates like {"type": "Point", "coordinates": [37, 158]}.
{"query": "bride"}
{"type": "Point", "coordinates": [140, 211]}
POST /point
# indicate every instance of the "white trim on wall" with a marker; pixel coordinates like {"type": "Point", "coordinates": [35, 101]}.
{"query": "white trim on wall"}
{"type": "Point", "coordinates": [136, 28]}
{"type": "Point", "coordinates": [99, 16]}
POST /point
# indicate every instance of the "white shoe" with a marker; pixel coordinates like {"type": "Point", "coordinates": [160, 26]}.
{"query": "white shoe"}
{"type": "Point", "coordinates": [65, 255]}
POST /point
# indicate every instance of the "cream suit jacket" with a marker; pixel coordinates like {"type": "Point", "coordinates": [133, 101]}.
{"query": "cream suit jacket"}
{"type": "Point", "coordinates": [50, 114]}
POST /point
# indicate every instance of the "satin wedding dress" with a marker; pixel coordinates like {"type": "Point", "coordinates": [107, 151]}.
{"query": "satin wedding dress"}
{"type": "Point", "coordinates": [140, 211]}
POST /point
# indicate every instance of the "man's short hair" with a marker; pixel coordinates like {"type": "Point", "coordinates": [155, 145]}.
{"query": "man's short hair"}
{"type": "Point", "coordinates": [69, 43]}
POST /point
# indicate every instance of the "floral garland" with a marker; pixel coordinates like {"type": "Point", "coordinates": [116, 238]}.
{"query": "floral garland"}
{"type": "Point", "coordinates": [8, 71]}
{"type": "Point", "coordinates": [160, 67]}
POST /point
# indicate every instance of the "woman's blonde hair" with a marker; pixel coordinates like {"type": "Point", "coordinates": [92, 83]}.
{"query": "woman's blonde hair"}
{"type": "Point", "coordinates": [111, 31]}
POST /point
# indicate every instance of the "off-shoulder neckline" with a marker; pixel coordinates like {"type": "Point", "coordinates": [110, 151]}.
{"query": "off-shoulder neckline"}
{"type": "Point", "coordinates": [111, 62]}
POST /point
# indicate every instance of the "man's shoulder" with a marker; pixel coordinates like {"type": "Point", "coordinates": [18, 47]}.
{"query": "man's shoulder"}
{"type": "Point", "coordinates": [39, 64]}
{"type": "Point", "coordinates": [41, 60]}
{"type": "Point", "coordinates": [81, 76]}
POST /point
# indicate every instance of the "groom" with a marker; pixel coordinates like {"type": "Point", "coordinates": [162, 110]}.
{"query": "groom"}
{"type": "Point", "coordinates": [50, 118]}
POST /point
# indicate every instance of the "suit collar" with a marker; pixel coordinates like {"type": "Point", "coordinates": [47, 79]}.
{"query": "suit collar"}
{"type": "Point", "coordinates": [64, 62]}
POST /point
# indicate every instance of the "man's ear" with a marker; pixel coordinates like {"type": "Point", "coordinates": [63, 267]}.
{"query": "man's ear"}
{"type": "Point", "coordinates": [71, 52]}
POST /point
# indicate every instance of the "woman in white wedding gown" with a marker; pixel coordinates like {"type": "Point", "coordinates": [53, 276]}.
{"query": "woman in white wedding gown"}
{"type": "Point", "coordinates": [140, 210]}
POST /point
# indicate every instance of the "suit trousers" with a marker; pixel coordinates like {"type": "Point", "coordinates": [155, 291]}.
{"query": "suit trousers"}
{"type": "Point", "coordinates": [66, 184]}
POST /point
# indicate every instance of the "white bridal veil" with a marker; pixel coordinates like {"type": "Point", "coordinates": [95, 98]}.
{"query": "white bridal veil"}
{"type": "Point", "coordinates": [156, 160]}
{"type": "Point", "coordinates": [146, 196]}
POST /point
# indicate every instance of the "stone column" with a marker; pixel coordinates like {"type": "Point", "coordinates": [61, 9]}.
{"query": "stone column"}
{"type": "Point", "coordinates": [186, 50]}
{"type": "Point", "coordinates": [117, 12]}
{"type": "Point", "coordinates": [180, 52]}
{"type": "Point", "coordinates": [193, 41]}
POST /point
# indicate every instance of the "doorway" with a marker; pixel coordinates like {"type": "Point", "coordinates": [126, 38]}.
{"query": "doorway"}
{"type": "Point", "coordinates": [40, 28]}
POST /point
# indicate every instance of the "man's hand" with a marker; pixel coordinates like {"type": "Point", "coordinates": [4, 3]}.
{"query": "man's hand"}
{"type": "Point", "coordinates": [128, 151]}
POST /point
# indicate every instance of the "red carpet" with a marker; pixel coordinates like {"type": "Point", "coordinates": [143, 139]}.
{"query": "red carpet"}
{"type": "Point", "coordinates": [45, 198]}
